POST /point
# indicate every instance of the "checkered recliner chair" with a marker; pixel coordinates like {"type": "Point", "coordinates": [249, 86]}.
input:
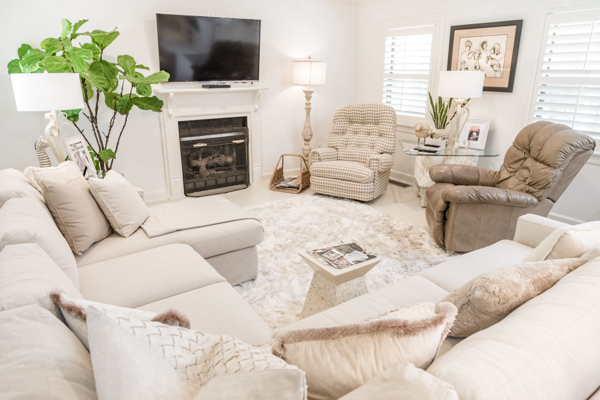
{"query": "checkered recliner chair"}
{"type": "Point", "coordinates": [358, 158]}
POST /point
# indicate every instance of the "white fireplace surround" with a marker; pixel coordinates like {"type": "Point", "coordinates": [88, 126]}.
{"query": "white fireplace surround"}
{"type": "Point", "coordinates": [187, 103]}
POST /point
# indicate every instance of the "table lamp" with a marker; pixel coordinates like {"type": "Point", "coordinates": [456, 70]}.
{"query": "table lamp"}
{"type": "Point", "coordinates": [460, 86]}
{"type": "Point", "coordinates": [308, 73]}
{"type": "Point", "coordinates": [43, 92]}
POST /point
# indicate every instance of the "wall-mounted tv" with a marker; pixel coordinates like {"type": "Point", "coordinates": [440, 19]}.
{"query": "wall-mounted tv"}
{"type": "Point", "coordinates": [201, 49]}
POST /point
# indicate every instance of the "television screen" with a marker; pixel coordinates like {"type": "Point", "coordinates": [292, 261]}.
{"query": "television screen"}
{"type": "Point", "coordinates": [200, 49]}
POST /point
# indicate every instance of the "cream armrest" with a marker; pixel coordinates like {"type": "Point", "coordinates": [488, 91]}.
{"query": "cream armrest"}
{"type": "Point", "coordinates": [322, 154]}
{"type": "Point", "coordinates": [532, 229]}
{"type": "Point", "coordinates": [462, 175]}
{"type": "Point", "coordinates": [381, 162]}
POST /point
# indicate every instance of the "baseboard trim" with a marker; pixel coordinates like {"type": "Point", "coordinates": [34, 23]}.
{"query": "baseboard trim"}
{"type": "Point", "coordinates": [156, 197]}
{"type": "Point", "coordinates": [401, 177]}
{"type": "Point", "coordinates": [565, 219]}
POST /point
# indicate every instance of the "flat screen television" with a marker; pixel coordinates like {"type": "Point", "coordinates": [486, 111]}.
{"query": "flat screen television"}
{"type": "Point", "coordinates": [201, 49]}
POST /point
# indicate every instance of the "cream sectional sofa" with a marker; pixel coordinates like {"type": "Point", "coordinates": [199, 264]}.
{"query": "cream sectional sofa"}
{"type": "Point", "coordinates": [546, 349]}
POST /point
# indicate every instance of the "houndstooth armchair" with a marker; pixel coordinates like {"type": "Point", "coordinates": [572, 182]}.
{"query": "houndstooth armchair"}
{"type": "Point", "coordinates": [358, 158]}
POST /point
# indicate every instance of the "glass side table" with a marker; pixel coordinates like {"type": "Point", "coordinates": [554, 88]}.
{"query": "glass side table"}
{"type": "Point", "coordinates": [424, 161]}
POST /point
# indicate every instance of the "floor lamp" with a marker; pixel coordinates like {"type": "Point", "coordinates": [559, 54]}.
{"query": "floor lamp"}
{"type": "Point", "coordinates": [308, 73]}
{"type": "Point", "coordinates": [460, 86]}
{"type": "Point", "coordinates": [43, 92]}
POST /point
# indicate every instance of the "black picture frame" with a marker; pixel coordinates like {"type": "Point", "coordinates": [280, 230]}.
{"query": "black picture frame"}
{"type": "Point", "coordinates": [491, 84]}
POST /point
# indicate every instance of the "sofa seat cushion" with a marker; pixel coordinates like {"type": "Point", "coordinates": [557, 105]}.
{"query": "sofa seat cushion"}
{"type": "Point", "coordinates": [42, 358]}
{"type": "Point", "coordinates": [145, 277]}
{"type": "Point", "coordinates": [13, 183]}
{"type": "Point", "coordinates": [218, 309]}
{"type": "Point", "coordinates": [344, 170]}
{"type": "Point", "coordinates": [454, 273]}
{"type": "Point", "coordinates": [208, 241]}
{"type": "Point", "coordinates": [546, 349]}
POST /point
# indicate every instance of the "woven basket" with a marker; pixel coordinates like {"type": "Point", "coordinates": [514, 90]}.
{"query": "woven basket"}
{"type": "Point", "coordinates": [278, 175]}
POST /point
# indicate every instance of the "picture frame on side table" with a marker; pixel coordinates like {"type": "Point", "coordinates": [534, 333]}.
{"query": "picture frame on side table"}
{"type": "Point", "coordinates": [491, 47]}
{"type": "Point", "coordinates": [78, 153]}
{"type": "Point", "coordinates": [474, 134]}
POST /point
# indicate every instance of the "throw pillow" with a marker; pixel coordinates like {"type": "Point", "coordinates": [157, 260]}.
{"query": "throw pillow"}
{"type": "Point", "coordinates": [139, 359]}
{"type": "Point", "coordinates": [27, 275]}
{"type": "Point", "coordinates": [41, 358]}
{"type": "Point", "coordinates": [120, 202]}
{"type": "Point", "coordinates": [75, 314]}
{"type": "Point", "coordinates": [404, 382]}
{"type": "Point", "coordinates": [76, 214]}
{"type": "Point", "coordinates": [567, 242]}
{"type": "Point", "coordinates": [14, 184]}
{"type": "Point", "coordinates": [590, 255]}
{"type": "Point", "coordinates": [489, 298]}
{"type": "Point", "coordinates": [339, 359]}
{"type": "Point", "coordinates": [29, 221]}
{"type": "Point", "coordinates": [67, 172]}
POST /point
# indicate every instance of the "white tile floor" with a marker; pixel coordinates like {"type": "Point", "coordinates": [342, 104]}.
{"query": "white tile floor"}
{"type": "Point", "coordinates": [397, 201]}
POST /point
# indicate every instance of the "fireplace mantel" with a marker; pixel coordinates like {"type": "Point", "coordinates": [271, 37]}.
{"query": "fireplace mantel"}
{"type": "Point", "coordinates": [185, 103]}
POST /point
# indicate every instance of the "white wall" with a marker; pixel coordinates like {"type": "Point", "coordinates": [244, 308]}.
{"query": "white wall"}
{"type": "Point", "coordinates": [291, 29]}
{"type": "Point", "coordinates": [508, 112]}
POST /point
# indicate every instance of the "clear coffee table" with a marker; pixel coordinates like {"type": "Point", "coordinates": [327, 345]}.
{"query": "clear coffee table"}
{"type": "Point", "coordinates": [331, 286]}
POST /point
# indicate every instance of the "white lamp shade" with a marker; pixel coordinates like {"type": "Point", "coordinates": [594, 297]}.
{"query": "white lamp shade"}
{"type": "Point", "coordinates": [46, 92]}
{"type": "Point", "coordinates": [461, 84]}
{"type": "Point", "coordinates": [309, 73]}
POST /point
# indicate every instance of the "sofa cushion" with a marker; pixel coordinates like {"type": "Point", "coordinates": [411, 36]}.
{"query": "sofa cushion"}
{"type": "Point", "coordinates": [27, 275]}
{"type": "Point", "coordinates": [452, 274]}
{"type": "Point", "coordinates": [339, 359]}
{"type": "Point", "coordinates": [546, 349]}
{"type": "Point", "coordinates": [138, 359]}
{"type": "Point", "coordinates": [345, 170]}
{"type": "Point", "coordinates": [489, 297]}
{"type": "Point", "coordinates": [25, 220]}
{"type": "Point", "coordinates": [76, 214]}
{"type": "Point", "coordinates": [219, 310]}
{"type": "Point", "coordinates": [42, 358]}
{"type": "Point", "coordinates": [147, 276]}
{"type": "Point", "coordinates": [120, 202]}
{"type": "Point", "coordinates": [13, 183]}
{"type": "Point", "coordinates": [567, 242]}
{"type": "Point", "coordinates": [66, 172]}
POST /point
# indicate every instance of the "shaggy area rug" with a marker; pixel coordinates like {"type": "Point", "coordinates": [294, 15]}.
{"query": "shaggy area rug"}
{"type": "Point", "coordinates": [308, 222]}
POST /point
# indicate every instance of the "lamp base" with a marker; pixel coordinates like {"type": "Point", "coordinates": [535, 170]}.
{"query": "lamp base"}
{"type": "Point", "coordinates": [307, 132]}
{"type": "Point", "coordinates": [52, 136]}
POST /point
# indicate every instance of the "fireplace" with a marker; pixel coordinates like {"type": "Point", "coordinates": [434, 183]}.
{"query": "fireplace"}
{"type": "Point", "coordinates": [214, 155]}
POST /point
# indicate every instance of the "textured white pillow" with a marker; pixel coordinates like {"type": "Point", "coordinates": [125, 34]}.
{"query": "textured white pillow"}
{"type": "Point", "coordinates": [134, 359]}
{"type": "Point", "coordinates": [67, 172]}
{"type": "Point", "coordinates": [13, 183]}
{"type": "Point", "coordinates": [25, 220]}
{"type": "Point", "coordinates": [75, 314]}
{"type": "Point", "coordinates": [339, 359]}
{"type": "Point", "coordinates": [567, 242]}
{"type": "Point", "coordinates": [120, 202]}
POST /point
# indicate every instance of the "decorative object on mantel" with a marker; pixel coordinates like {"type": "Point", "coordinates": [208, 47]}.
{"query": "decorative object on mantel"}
{"type": "Point", "coordinates": [279, 183]}
{"type": "Point", "coordinates": [308, 73]}
{"type": "Point", "coordinates": [43, 92]}
{"type": "Point", "coordinates": [474, 134]}
{"type": "Point", "coordinates": [492, 48]}
{"type": "Point", "coordinates": [40, 150]}
{"type": "Point", "coordinates": [94, 74]}
{"type": "Point", "coordinates": [459, 86]}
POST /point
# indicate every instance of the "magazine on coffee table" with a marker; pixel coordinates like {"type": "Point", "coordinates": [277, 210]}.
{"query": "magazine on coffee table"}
{"type": "Point", "coordinates": [342, 255]}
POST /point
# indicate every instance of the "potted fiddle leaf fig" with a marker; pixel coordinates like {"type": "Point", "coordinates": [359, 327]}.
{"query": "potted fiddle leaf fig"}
{"type": "Point", "coordinates": [121, 84]}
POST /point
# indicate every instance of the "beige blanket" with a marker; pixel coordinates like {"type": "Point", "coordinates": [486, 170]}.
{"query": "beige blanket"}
{"type": "Point", "coordinates": [190, 213]}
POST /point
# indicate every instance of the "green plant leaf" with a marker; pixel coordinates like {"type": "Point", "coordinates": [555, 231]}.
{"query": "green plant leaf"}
{"type": "Point", "coordinates": [14, 67]}
{"type": "Point", "coordinates": [72, 115]}
{"type": "Point", "coordinates": [79, 64]}
{"type": "Point", "coordinates": [127, 63]}
{"type": "Point", "coordinates": [106, 155]}
{"type": "Point", "coordinates": [148, 103]}
{"type": "Point", "coordinates": [157, 77]}
{"type": "Point", "coordinates": [109, 71]}
{"type": "Point", "coordinates": [29, 63]}
{"type": "Point", "coordinates": [55, 64]}
{"type": "Point", "coordinates": [140, 66]}
{"type": "Point", "coordinates": [144, 90]}
{"type": "Point", "coordinates": [96, 77]}
{"type": "Point", "coordinates": [76, 27]}
{"type": "Point", "coordinates": [66, 28]}
{"type": "Point", "coordinates": [23, 50]}
{"type": "Point", "coordinates": [110, 99]}
{"type": "Point", "coordinates": [94, 157]}
{"type": "Point", "coordinates": [124, 105]}
{"type": "Point", "coordinates": [96, 52]}
{"type": "Point", "coordinates": [88, 87]}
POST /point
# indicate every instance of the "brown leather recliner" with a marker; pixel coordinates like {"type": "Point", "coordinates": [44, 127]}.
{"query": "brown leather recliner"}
{"type": "Point", "coordinates": [470, 208]}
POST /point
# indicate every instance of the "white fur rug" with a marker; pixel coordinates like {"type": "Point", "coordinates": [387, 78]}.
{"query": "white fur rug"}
{"type": "Point", "coordinates": [307, 222]}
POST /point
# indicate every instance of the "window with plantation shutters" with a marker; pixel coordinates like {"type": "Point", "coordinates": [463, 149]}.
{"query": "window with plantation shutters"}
{"type": "Point", "coordinates": [567, 87]}
{"type": "Point", "coordinates": [408, 69]}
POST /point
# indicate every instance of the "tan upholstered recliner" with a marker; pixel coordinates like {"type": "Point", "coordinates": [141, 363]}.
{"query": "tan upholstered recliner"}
{"type": "Point", "coordinates": [358, 158]}
{"type": "Point", "coordinates": [470, 208]}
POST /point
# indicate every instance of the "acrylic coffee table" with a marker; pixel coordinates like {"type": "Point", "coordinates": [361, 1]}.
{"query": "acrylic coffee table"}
{"type": "Point", "coordinates": [331, 286]}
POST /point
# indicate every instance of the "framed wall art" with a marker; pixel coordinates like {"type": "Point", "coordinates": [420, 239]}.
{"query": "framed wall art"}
{"type": "Point", "coordinates": [474, 133]}
{"type": "Point", "coordinates": [79, 154]}
{"type": "Point", "coordinates": [491, 47]}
